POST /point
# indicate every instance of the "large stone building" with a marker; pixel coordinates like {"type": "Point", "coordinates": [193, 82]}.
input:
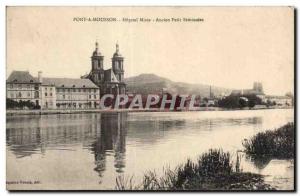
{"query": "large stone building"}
{"type": "Point", "coordinates": [110, 81]}
{"type": "Point", "coordinates": [52, 93]}
{"type": "Point", "coordinates": [67, 93]}
{"type": "Point", "coordinates": [21, 86]}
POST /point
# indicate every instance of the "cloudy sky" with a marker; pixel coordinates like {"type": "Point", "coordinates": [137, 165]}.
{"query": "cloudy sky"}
{"type": "Point", "coordinates": [232, 48]}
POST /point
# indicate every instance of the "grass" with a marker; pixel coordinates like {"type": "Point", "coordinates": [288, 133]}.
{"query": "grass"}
{"type": "Point", "coordinates": [214, 170]}
{"type": "Point", "coordinates": [278, 143]}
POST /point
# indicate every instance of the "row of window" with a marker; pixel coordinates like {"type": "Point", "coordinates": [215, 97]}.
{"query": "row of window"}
{"type": "Point", "coordinates": [28, 86]}
{"type": "Point", "coordinates": [50, 89]}
{"type": "Point", "coordinates": [76, 90]}
{"type": "Point", "coordinates": [79, 105]}
{"type": "Point", "coordinates": [22, 86]}
{"type": "Point", "coordinates": [24, 95]}
{"type": "Point", "coordinates": [82, 98]}
{"type": "Point", "coordinates": [48, 94]}
{"type": "Point", "coordinates": [28, 95]}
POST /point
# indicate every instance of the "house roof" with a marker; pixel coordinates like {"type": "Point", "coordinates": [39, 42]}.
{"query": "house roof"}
{"type": "Point", "coordinates": [69, 82]}
{"type": "Point", "coordinates": [21, 77]}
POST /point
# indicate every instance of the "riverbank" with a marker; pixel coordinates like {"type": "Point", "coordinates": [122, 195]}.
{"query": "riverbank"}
{"type": "Point", "coordinates": [217, 170]}
{"type": "Point", "coordinates": [72, 111]}
{"type": "Point", "coordinates": [214, 170]}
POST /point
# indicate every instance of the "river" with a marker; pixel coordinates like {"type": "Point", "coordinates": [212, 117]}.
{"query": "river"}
{"type": "Point", "coordinates": [88, 151]}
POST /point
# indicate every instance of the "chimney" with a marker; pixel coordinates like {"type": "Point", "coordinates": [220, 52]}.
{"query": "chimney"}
{"type": "Point", "coordinates": [40, 76]}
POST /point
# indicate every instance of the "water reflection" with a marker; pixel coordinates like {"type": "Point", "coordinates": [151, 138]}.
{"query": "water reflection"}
{"type": "Point", "coordinates": [102, 134]}
{"type": "Point", "coordinates": [90, 150]}
{"type": "Point", "coordinates": [110, 139]}
{"type": "Point", "coordinates": [259, 162]}
{"type": "Point", "coordinates": [148, 128]}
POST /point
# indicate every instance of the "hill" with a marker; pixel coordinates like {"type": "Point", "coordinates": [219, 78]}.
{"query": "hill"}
{"type": "Point", "coordinates": [153, 84]}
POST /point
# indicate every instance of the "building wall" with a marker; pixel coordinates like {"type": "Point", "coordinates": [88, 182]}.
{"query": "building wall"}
{"type": "Point", "coordinates": [24, 91]}
{"type": "Point", "coordinates": [52, 93]}
{"type": "Point", "coordinates": [48, 97]}
{"type": "Point", "coordinates": [283, 101]}
{"type": "Point", "coordinates": [77, 98]}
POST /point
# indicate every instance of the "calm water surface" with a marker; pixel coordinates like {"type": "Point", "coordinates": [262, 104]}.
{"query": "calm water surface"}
{"type": "Point", "coordinates": [88, 151]}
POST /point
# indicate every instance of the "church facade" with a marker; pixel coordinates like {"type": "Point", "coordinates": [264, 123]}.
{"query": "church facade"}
{"type": "Point", "coordinates": [110, 81]}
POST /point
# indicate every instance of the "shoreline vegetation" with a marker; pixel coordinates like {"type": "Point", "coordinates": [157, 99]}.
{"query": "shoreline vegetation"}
{"type": "Point", "coordinates": [218, 170]}
{"type": "Point", "coordinates": [214, 170]}
{"type": "Point", "coordinates": [278, 143]}
{"type": "Point", "coordinates": [10, 112]}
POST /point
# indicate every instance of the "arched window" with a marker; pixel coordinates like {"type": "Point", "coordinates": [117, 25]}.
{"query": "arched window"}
{"type": "Point", "coordinates": [116, 64]}
{"type": "Point", "coordinates": [96, 63]}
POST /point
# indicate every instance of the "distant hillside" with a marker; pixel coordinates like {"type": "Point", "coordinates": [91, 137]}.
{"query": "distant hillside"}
{"type": "Point", "coordinates": [151, 83]}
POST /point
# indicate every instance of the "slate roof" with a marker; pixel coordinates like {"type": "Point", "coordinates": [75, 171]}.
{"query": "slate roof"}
{"type": "Point", "coordinates": [69, 82]}
{"type": "Point", "coordinates": [21, 77]}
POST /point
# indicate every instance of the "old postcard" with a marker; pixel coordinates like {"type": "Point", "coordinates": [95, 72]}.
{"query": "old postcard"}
{"type": "Point", "coordinates": [150, 98]}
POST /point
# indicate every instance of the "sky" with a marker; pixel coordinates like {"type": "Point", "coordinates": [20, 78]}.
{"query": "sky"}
{"type": "Point", "coordinates": [232, 47]}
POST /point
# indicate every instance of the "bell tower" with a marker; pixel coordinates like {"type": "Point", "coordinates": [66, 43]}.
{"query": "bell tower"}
{"type": "Point", "coordinates": [97, 65]}
{"type": "Point", "coordinates": [97, 58]}
{"type": "Point", "coordinates": [117, 64]}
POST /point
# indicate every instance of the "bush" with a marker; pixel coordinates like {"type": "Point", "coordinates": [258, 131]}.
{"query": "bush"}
{"type": "Point", "coordinates": [278, 143]}
{"type": "Point", "coordinates": [12, 104]}
{"type": "Point", "coordinates": [238, 101]}
{"type": "Point", "coordinates": [229, 102]}
{"type": "Point", "coordinates": [213, 170]}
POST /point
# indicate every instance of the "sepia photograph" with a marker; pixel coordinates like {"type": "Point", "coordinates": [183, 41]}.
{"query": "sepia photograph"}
{"type": "Point", "coordinates": [150, 98]}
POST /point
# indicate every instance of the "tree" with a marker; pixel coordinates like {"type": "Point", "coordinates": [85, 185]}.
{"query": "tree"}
{"type": "Point", "coordinates": [231, 101]}
{"type": "Point", "coordinates": [251, 103]}
{"type": "Point", "coordinates": [269, 103]}
{"type": "Point", "coordinates": [242, 102]}
{"type": "Point", "coordinates": [11, 104]}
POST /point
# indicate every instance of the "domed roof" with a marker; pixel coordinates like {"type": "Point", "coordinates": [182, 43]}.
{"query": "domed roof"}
{"type": "Point", "coordinates": [117, 53]}
{"type": "Point", "coordinates": [97, 51]}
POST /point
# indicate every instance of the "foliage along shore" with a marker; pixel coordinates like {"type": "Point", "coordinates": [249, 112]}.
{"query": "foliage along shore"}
{"type": "Point", "coordinates": [278, 143]}
{"type": "Point", "coordinates": [214, 170]}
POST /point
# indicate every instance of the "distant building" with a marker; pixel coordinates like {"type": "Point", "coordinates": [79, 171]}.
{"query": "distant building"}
{"type": "Point", "coordinates": [279, 100]}
{"type": "Point", "coordinates": [256, 90]}
{"type": "Point", "coordinates": [110, 81]}
{"type": "Point", "coordinates": [20, 85]}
